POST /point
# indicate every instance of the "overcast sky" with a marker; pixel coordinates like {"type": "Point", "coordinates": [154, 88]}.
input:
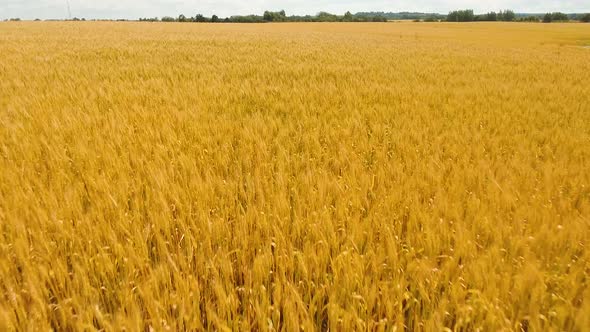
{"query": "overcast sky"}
{"type": "Point", "coordinates": [132, 9]}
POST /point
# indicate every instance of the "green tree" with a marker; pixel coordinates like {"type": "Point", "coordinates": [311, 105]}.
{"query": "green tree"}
{"type": "Point", "coordinates": [547, 18]}
{"type": "Point", "coordinates": [200, 18]}
{"type": "Point", "coordinates": [326, 17]}
{"type": "Point", "coordinates": [269, 16]}
{"type": "Point", "coordinates": [461, 16]}
{"type": "Point", "coordinates": [347, 17]}
{"type": "Point", "coordinates": [507, 16]}
{"type": "Point", "coordinates": [247, 19]}
{"type": "Point", "coordinates": [529, 19]}
{"type": "Point", "coordinates": [557, 16]}
{"type": "Point", "coordinates": [214, 19]}
{"type": "Point", "coordinates": [585, 18]}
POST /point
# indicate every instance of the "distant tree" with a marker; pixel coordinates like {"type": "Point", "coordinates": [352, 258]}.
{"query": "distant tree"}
{"type": "Point", "coordinates": [492, 16]}
{"type": "Point", "coordinates": [214, 19]}
{"type": "Point", "coordinates": [507, 16]}
{"type": "Point", "coordinates": [37, 20]}
{"type": "Point", "coordinates": [269, 16]}
{"type": "Point", "coordinates": [168, 19]}
{"type": "Point", "coordinates": [247, 19]}
{"type": "Point", "coordinates": [529, 19]}
{"type": "Point", "coordinates": [557, 16]}
{"type": "Point", "coordinates": [200, 18]}
{"type": "Point", "coordinates": [15, 19]}
{"type": "Point", "coordinates": [585, 18]}
{"type": "Point", "coordinates": [306, 18]}
{"type": "Point", "coordinates": [461, 16]}
{"type": "Point", "coordinates": [182, 18]}
{"type": "Point", "coordinates": [326, 17]}
{"type": "Point", "coordinates": [430, 19]}
{"type": "Point", "coordinates": [547, 18]}
{"type": "Point", "coordinates": [348, 17]}
{"type": "Point", "coordinates": [453, 16]}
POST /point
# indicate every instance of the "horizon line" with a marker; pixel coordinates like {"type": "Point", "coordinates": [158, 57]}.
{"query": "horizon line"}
{"type": "Point", "coordinates": [135, 18]}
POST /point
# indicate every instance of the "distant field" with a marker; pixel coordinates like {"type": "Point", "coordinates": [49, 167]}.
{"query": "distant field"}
{"type": "Point", "coordinates": [294, 176]}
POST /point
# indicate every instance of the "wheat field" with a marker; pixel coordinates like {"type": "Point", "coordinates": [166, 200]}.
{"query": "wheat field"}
{"type": "Point", "coordinates": [367, 177]}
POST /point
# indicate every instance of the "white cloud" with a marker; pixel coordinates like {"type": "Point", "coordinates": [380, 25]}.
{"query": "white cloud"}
{"type": "Point", "coordinates": [29, 9]}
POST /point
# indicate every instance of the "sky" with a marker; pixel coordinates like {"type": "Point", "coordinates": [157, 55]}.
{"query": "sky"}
{"type": "Point", "coordinates": [133, 9]}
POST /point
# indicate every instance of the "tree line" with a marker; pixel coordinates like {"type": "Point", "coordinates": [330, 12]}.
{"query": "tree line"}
{"type": "Point", "coordinates": [561, 17]}
{"type": "Point", "coordinates": [467, 15]}
{"type": "Point", "coordinates": [270, 16]}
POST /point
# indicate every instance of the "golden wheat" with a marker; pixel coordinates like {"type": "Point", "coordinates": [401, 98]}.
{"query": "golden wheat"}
{"type": "Point", "coordinates": [294, 176]}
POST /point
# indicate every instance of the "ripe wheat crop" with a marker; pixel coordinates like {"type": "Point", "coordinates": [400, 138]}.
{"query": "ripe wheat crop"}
{"type": "Point", "coordinates": [292, 177]}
